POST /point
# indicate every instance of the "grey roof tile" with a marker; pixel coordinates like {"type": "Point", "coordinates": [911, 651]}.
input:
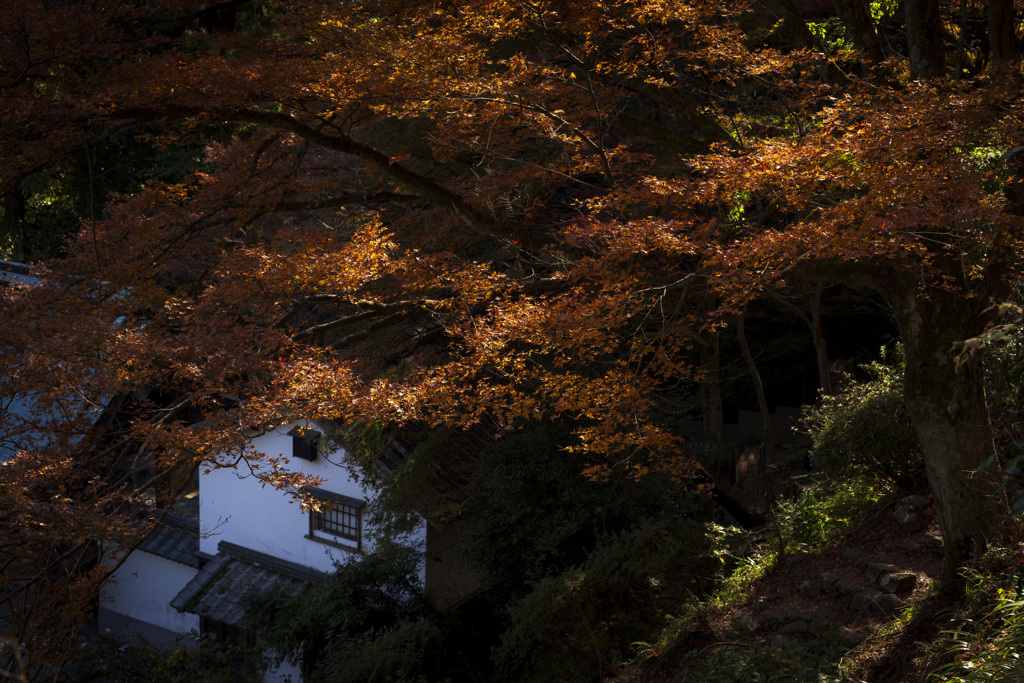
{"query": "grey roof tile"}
{"type": "Point", "coordinates": [175, 538]}
{"type": "Point", "coordinates": [219, 590]}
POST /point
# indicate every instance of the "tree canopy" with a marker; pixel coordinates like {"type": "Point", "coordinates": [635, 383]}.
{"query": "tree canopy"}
{"type": "Point", "coordinates": [436, 213]}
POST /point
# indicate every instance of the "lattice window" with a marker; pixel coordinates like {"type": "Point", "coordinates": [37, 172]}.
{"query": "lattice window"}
{"type": "Point", "coordinates": [338, 520]}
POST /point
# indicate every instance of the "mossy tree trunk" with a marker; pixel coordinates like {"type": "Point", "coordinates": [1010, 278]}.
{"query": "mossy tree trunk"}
{"type": "Point", "coordinates": [946, 401]}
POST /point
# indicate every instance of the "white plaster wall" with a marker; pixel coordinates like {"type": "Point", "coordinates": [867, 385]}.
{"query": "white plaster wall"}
{"type": "Point", "coordinates": [234, 506]}
{"type": "Point", "coordinates": [143, 587]}
{"type": "Point", "coordinates": [286, 673]}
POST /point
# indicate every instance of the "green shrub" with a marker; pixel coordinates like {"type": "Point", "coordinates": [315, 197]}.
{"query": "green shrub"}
{"type": "Point", "coordinates": [191, 657]}
{"type": "Point", "coordinates": [369, 598]}
{"type": "Point", "coordinates": [411, 652]}
{"type": "Point", "coordinates": [806, 524]}
{"type": "Point", "coordinates": [866, 430]}
{"type": "Point", "coordinates": [532, 504]}
{"type": "Point", "coordinates": [819, 515]}
{"type": "Point", "coordinates": [766, 663]}
{"type": "Point", "coordinates": [577, 626]}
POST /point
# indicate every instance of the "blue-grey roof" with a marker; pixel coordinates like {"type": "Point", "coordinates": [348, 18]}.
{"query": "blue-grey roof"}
{"type": "Point", "coordinates": [219, 590]}
{"type": "Point", "coordinates": [15, 273]}
{"type": "Point", "coordinates": [175, 538]}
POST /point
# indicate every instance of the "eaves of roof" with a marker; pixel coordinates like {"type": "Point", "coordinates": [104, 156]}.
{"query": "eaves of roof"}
{"type": "Point", "coordinates": [220, 588]}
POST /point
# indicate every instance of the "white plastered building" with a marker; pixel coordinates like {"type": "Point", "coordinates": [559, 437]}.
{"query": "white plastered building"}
{"type": "Point", "coordinates": [194, 574]}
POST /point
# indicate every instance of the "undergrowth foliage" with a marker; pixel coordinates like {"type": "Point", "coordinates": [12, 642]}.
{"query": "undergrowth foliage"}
{"type": "Point", "coordinates": [582, 623]}
{"type": "Point", "coordinates": [765, 662]}
{"type": "Point", "coordinates": [820, 516]}
{"type": "Point", "coordinates": [809, 523]}
{"type": "Point", "coordinates": [366, 622]}
{"type": "Point", "coordinates": [988, 636]}
{"type": "Point", "coordinates": [866, 431]}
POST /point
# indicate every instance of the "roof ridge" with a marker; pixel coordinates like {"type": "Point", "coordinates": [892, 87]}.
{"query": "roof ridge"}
{"type": "Point", "coordinates": [292, 569]}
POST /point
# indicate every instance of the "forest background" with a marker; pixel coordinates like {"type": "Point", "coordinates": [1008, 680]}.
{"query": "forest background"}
{"type": "Point", "coordinates": [510, 214]}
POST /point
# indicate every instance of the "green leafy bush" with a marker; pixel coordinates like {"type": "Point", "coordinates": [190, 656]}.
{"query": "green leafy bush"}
{"type": "Point", "coordinates": [866, 430]}
{"type": "Point", "coordinates": [411, 652]}
{"type": "Point", "coordinates": [578, 625]}
{"type": "Point", "coordinates": [191, 657]}
{"type": "Point", "coordinates": [832, 34]}
{"type": "Point", "coordinates": [805, 524]}
{"type": "Point", "coordinates": [371, 614]}
{"type": "Point", "coordinates": [819, 515]}
{"type": "Point", "coordinates": [532, 504]}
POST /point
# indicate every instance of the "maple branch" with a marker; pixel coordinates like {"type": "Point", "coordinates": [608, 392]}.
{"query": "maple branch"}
{"type": "Point", "coordinates": [289, 315]}
{"type": "Point", "coordinates": [856, 273]}
{"type": "Point", "coordinates": [363, 334]}
{"type": "Point", "coordinates": [680, 142]}
{"type": "Point", "coordinates": [544, 285]}
{"type": "Point", "coordinates": [789, 305]}
{"type": "Point", "coordinates": [346, 199]}
{"type": "Point", "coordinates": [377, 309]}
{"type": "Point", "coordinates": [544, 111]}
{"type": "Point", "coordinates": [666, 96]}
{"type": "Point", "coordinates": [432, 191]}
{"type": "Point", "coordinates": [19, 665]}
{"type": "Point", "coordinates": [678, 284]}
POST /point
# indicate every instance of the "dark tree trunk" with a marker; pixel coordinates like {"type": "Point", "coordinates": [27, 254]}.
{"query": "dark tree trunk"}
{"type": "Point", "coordinates": [813, 323]}
{"type": "Point", "coordinates": [947, 405]}
{"type": "Point", "coordinates": [820, 345]}
{"type": "Point", "coordinates": [1002, 38]}
{"type": "Point", "coordinates": [762, 402]}
{"type": "Point", "coordinates": [946, 402]}
{"type": "Point", "coordinates": [711, 387]}
{"type": "Point", "coordinates": [924, 38]}
{"type": "Point", "coordinates": [857, 18]}
{"type": "Point", "coordinates": [794, 30]}
{"type": "Point", "coordinates": [13, 225]}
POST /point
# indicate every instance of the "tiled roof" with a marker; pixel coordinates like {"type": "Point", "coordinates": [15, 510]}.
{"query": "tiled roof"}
{"type": "Point", "coordinates": [15, 273]}
{"type": "Point", "coordinates": [218, 591]}
{"type": "Point", "coordinates": [175, 538]}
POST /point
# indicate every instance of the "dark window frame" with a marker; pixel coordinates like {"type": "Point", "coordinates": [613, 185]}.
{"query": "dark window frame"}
{"type": "Point", "coordinates": [305, 443]}
{"type": "Point", "coordinates": [340, 520]}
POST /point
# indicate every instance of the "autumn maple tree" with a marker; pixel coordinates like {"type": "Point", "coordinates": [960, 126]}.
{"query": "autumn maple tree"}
{"type": "Point", "coordinates": [439, 213]}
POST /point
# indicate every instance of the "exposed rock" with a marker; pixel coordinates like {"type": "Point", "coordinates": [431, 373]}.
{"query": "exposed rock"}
{"type": "Point", "coordinates": [828, 579]}
{"type": "Point", "coordinates": [811, 588]}
{"type": "Point", "coordinates": [875, 570]}
{"type": "Point", "coordinates": [915, 547]}
{"type": "Point", "coordinates": [845, 588]}
{"type": "Point", "coordinates": [899, 582]}
{"type": "Point", "coordinates": [919, 545]}
{"type": "Point", "coordinates": [887, 603]}
{"type": "Point", "coordinates": [795, 627]}
{"type": "Point", "coordinates": [907, 520]}
{"type": "Point", "coordinates": [845, 636]}
{"type": "Point", "coordinates": [891, 546]}
{"type": "Point", "coordinates": [864, 600]}
{"type": "Point", "coordinates": [914, 502]}
{"type": "Point", "coordinates": [744, 623]}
